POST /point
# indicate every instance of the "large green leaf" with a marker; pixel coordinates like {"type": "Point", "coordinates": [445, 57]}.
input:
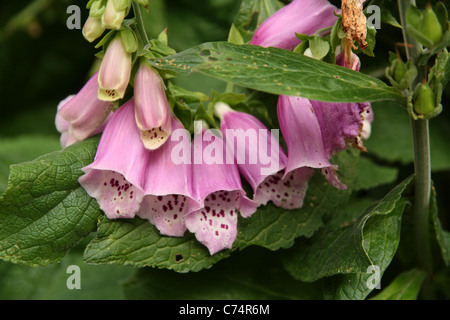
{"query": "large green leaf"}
{"type": "Point", "coordinates": [138, 243]}
{"type": "Point", "coordinates": [23, 148]}
{"type": "Point", "coordinates": [254, 274]}
{"type": "Point", "coordinates": [278, 71]}
{"type": "Point", "coordinates": [391, 137]}
{"type": "Point", "coordinates": [369, 242]}
{"type": "Point", "coordinates": [44, 212]}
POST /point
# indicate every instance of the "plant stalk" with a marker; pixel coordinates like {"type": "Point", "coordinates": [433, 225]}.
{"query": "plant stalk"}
{"type": "Point", "coordinates": [422, 159]}
{"type": "Point", "coordinates": [140, 23]}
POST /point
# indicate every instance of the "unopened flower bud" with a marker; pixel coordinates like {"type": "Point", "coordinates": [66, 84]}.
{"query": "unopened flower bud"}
{"type": "Point", "coordinates": [423, 99]}
{"type": "Point", "coordinates": [115, 71]}
{"type": "Point", "coordinates": [113, 17]}
{"type": "Point", "coordinates": [93, 29]}
{"type": "Point", "coordinates": [431, 27]}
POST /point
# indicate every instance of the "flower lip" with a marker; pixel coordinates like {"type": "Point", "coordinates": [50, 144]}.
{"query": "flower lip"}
{"type": "Point", "coordinates": [115, 176]}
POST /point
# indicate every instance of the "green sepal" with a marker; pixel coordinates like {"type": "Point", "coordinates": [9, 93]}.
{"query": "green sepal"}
{"type": "Point", "coordinates": [129, 40]}
{"type": "Point", "coordinates": [97, 8]}
{"type": "Point", "coordinates": [234, 36]}
{"type": "Point", "coordinates": [401, 74]}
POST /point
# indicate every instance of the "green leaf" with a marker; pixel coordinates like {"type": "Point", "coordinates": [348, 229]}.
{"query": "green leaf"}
{"type": "Point", "coordinates": [442, 236]}
{"type": "Point", "coordinates": [406, 286]}
{"type": "Point", "coordinates": [391, 137]}
{"type": "Point", "coordinates": [44, 212]}
{"type": "Point", "coordinates": [350, 250]}
{"type": "Point", "coordinates": [136, 242]}
{"type": "Point", "coordinates": [372, 175]}
{"type": "Point", "coordinates": [278, 71]}
{"type": "Point", "coordinates": [252, 14]}
{"type": "Point", "coordinates": [19, 282]}
{"type": "Point", "coordinates": [255, 274]}
{"type": "Point", "coordinates": [23, 148]}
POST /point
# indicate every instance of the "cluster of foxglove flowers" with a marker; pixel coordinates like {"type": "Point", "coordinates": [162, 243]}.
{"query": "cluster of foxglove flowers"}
{"type": "Point", "coordinates": [148, 165]}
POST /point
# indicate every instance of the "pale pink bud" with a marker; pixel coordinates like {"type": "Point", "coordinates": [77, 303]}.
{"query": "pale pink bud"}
{"type": "Point", "coordinates": [151, 107]}
{"type": "Point", "coordinates": [115, 71]}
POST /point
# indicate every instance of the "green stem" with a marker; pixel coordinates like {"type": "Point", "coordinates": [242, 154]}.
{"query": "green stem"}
{"type": "Point", "coordinates": [422, 167]}
{"type": "Point", "coordinates": [140, 23]}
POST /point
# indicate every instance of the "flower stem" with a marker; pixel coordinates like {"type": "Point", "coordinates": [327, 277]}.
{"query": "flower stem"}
{"type": "Point", "coordinates": [422, 167]}
{"type": "Point", "coordinates": [140, 23]}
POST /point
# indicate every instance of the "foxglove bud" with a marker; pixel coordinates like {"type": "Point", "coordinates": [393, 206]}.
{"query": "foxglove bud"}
{"type": "Point", "coordinates": [423, 100]}
{"type": "Point", "coordinates": [92, 29]}
{"type": "Point", "coordinates": [151, 107]}
{"type": "Point", "coordinates": [113, 16]}
{"type": "Point", "coordinates": [115, 71]}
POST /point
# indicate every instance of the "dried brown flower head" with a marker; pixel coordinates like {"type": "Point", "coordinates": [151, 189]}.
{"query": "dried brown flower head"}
{"type": "Point", "coordinates": [354, 22]}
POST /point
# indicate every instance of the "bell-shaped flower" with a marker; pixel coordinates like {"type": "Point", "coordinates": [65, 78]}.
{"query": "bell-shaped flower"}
{"type": "Point", "coordinates": [315, 131]}
{"type": "Point", "coordinates": [168, 185]}
{"type": "Point", "coordinates": [115, 177]}
{"type": "Point", "coordinates": [115, 71]}
{"type": "Point", "coordinates": [219, 189]}
{"type": "Point", "coordinates": [300, 16]}
{"type": "Point", "coordinates": [261, 160]}
{"type": "Point", "coordinates": [82, 115]}
{"type": "Point", "coordinates": [113, 15]}
{"type": "Point", "coordinates": [151, 107]}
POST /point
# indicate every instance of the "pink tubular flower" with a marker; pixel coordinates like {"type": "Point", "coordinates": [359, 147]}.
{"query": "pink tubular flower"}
{"type": "Point", "coordinates": [82, 115]}
{"type": "Point", "coordinates": [114, 73]}
{"type": "Point", "coordinates": [218, 188]}
{"type": "Point", "coordinates": [115, 177]}
{"type": "Point", "coordinates": [265, 171]}
{"type": "Point", "coordinates": [168, 187]}
{"type": "Point", "coordinates": [300, 16]}
{"type": "Point", "coordinates": [314, 130]}
{"type": "Point", "coordinates": [151, 107]}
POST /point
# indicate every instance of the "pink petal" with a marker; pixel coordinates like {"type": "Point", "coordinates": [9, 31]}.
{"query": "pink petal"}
{"type": "Point", "coordinates": [218, 188]}
{"type": "Point", "coordinates": [300, 16]}
{"type": "Point", "coordinates": [302, 133]}
{"type": "Point", "coordinates": [115, 177]}
{"type": "Point", "coordinates": [169, 194]}
{"type": "Point", "coordinates": [287, 192]}
{"type": "Point", "coordinates": [215, 225]}
{"type": "Point", "coordinates": [84, 112]}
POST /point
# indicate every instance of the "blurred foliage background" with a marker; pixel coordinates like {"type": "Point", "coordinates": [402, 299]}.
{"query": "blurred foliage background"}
{"type": "Point", "coordinates": [42, 62]}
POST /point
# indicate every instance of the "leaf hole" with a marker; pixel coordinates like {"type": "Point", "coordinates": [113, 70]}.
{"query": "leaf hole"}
{"type": "Point", "coordinates": [179, 257]}
{"type": "Point", "coordinates": [205, 53]}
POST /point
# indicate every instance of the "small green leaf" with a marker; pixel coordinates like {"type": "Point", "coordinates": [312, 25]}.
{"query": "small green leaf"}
{"type": "Point", "coordinates": [406, 286]}
{"type": "Point", "coordinates": [44, 212]}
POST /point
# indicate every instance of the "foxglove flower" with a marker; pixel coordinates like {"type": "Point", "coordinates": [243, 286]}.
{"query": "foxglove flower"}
{"type": "Point", "coordinates": [218, 188]}
{"type": "Point", "coordinates": [315, 131]}
{"type": "Point", "coordinates": [114, 73]}
{"type": "Point", "coordinates": [300, 16]}
{"type": "Point", "coordinates": [261, 160]}
{"type": "Point", "coordinates": [82, 115]}
{"type": "Point", "coordinates": [113, 15]}
{"type": "Point", "coordinates": [116, 175]}
{"type": "Point", "coordinates": [168, 185]}
{"type": "Point", "coordinates": [151, 107]}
